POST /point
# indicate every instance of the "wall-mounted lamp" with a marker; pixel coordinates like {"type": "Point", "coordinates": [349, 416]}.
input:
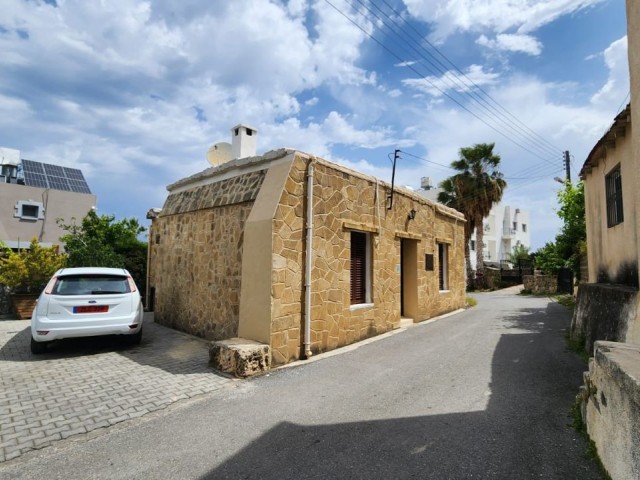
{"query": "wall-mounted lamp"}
{"type": "Point", "coordinates": [412, 214]}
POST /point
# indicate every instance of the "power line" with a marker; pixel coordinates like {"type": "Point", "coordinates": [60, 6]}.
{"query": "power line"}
{"type": "Point", "coordinates": [464, 83]}
{"type": "Point", "coordinates": [516, 142]}
{"type": "Point", "coordinates": [501, 107]}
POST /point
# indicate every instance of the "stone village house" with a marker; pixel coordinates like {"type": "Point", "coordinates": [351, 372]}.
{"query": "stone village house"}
{"type": "Point", "coordinates": [243, 249]}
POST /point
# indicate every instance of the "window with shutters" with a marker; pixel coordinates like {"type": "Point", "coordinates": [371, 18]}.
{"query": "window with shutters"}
{"type": "Point", "coordinates": [613, 191]}
{"type": "Point", "coordinates": [360, 268]}
{"type": "Point", "coordinates": [443, 266]}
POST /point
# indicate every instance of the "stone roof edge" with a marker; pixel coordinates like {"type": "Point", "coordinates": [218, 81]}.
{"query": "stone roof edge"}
{"type": "Point", "coordinates": [599, 150]}
{"type": "Point", "coordinates": [270, 156]}
{"type": "Point", "coordinates": [238, 163]}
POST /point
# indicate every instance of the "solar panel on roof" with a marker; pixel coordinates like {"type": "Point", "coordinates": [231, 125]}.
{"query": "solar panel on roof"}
{"type": "Point", "coordinates": [46, 175]}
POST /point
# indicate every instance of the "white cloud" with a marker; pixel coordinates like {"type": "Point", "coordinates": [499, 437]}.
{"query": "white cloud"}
{"type": "Point", "coordinates": [452, 80]}
{"type": "Point", "coordinates": [406, 64]}
{"type": "Point", "coordinates": [512, 43]}
{"type": "Point", "coordinates": [615, 57]}
{"type": "Point", "coordinates": [499, 16]}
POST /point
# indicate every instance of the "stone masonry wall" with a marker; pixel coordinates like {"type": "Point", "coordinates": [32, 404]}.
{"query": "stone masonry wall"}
{"type": "Point", "coordinates": [344, 200]}
{"type": "Point", "coordinates": [196, 256]}
{"type": "Point", "coordinates": [540, 284]}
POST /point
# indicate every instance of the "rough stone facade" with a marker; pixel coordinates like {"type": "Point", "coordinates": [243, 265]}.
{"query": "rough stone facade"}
{"type": "Point", "coordinates": [196, 256]}
{"type": "Point", "coordinates": [344, 201]}
{"type": "Point", "coordinates": [540, 284]}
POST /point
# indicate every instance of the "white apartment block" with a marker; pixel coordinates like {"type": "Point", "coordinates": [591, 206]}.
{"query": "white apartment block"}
{"type": "Point", "coordinates": [504, 228]}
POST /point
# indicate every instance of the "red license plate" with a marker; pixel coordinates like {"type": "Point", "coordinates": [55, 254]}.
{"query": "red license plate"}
{"type": "Point", "coordinates": [91, 309]}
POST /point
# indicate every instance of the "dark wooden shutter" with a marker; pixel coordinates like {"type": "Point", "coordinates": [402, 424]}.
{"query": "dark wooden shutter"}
{"type": "Point", "coordinates": [358, 267]}
{"type": "Point", "coordinates": [441, 266]}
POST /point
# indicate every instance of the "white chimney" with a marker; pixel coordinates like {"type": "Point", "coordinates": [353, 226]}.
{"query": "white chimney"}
{"type": "Point", "coordinates": [425, 183]}
{"type": "Point", "coordinates": [243, 141]}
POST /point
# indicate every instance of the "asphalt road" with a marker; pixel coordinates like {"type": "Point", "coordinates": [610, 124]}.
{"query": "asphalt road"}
{"type": "Point", "coordinates": [481, 394]}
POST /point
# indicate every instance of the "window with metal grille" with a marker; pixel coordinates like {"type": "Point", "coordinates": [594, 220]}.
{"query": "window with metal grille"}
{"type": "Point", "coordinates": [443, 266]}
{"type": "Point", "coordinates": [360, 265]}
{"type": "Point", "coordinates": [613, 191]}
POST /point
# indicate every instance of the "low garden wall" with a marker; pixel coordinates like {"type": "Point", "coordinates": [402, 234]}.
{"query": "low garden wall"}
{"type": "Point", "coordinates": [604, 312]}
{"type": "Point", "coordinates": [610, 401]}
{"type": "Point", "coordinates": [540, 284]}
{"type": "Point", "coordinates": [5, 301]}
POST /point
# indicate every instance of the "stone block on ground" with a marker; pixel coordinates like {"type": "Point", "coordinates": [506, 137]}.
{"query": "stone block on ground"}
{"type": "Point", "coordinates": [240, 357]}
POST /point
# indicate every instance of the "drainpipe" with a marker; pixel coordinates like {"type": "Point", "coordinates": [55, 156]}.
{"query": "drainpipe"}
{"type": "Point", "coordinates": [308, 263]}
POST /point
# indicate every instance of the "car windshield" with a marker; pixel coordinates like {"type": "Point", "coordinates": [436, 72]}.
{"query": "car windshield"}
{"type": "Point", "coordinates": [90, 285]}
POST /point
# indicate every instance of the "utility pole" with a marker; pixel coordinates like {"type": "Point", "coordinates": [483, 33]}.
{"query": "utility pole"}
{"type": "Point", "coordinates": [396, 155]}
{"type": "Point", "coordinates": [567, 165]}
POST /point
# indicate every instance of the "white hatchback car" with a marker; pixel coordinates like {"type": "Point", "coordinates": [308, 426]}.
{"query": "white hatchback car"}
{"type": "Point", "coordinates": [86, 302]}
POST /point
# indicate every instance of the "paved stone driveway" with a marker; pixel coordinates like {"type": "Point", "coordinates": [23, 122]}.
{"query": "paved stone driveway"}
{"type": "Point", "coordinates": [81, 385]}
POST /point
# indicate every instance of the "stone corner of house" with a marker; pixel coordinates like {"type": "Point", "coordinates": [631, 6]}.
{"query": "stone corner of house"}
{"type": "Point", "coordinates": [240, 357]}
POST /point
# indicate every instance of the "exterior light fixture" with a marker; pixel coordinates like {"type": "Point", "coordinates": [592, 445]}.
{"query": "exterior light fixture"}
{"type": "Point", "coordinates": [412, 214]}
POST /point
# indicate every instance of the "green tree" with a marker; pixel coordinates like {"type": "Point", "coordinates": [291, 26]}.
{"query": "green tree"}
{"type": "Point", "coordinates": [519, 253]}
{"type": "Point", "coordinates": [477, 186]}
{"type": "Point", "coordinates": [570, 243]}
{"type": "Point", "coordinates": [101, 241]}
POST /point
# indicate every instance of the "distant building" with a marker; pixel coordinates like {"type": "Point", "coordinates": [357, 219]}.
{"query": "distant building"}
{"type": "Point", "coordinates": [504, 228]}
{"type": "Point", "coordinates": [33, 195]}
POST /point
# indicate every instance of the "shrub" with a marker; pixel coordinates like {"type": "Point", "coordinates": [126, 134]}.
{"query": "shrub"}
{"type": "Point", "coordinates": [28, 271]}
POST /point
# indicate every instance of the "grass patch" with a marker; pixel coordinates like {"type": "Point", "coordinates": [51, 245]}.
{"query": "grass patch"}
{"type": "Point", "coordinates": [470, 302]}
{"type": "Point", "coordinates": [576, 345]}
{"type": "Point", "coordinates": [564, 299]}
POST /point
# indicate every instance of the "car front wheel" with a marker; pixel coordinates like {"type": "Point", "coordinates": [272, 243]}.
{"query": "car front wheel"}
{"type": "Point", "coordinates": [38, 347]}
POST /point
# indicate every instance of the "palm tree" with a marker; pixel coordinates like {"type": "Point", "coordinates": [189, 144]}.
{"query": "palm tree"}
{"type": "Point", "coordinates": [477, 186]}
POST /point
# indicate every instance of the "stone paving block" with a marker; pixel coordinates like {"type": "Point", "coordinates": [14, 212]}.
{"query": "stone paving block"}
{"type": "Point", "coordinates": [84, 386]}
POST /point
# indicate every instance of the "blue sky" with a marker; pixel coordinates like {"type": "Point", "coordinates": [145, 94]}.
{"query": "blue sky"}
{"type": "Point", "coordinates": [135, 92]}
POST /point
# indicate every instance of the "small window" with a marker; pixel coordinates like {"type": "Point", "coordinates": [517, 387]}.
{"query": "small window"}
{"type": "Point", "coordinates": [443, 266]}
{"type": "Point", "coordinates": [360, 268]}
{"type": "Point", "coordinates": [473, 245]}
{"type": "Point", "coordinates": [613, 184]}
{"type": "Point", "coordinates": [28, 210]}
{"type": "Point", "coordinates": [428, 262]}
{"type": "Point", "coordinates": [524, 227]}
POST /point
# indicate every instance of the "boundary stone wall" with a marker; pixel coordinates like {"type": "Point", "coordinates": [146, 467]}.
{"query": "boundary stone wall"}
{"type": "Point", "coordinates": [603, 312]}
{"type": "Point", "coordinates": [611, 407]}
{"type": "Point", "coordinates": [540, 284]}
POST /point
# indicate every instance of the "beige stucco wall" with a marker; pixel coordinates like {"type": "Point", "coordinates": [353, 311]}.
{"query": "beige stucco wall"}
{"type": "Point", "coordinates": [633, 39]}
{"type": "Point", "coordinates": [56, 203]}
{"type": "Point", "coordinates": [606, 259]}
{"type": "Point", "coordinates": [344, 201]}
